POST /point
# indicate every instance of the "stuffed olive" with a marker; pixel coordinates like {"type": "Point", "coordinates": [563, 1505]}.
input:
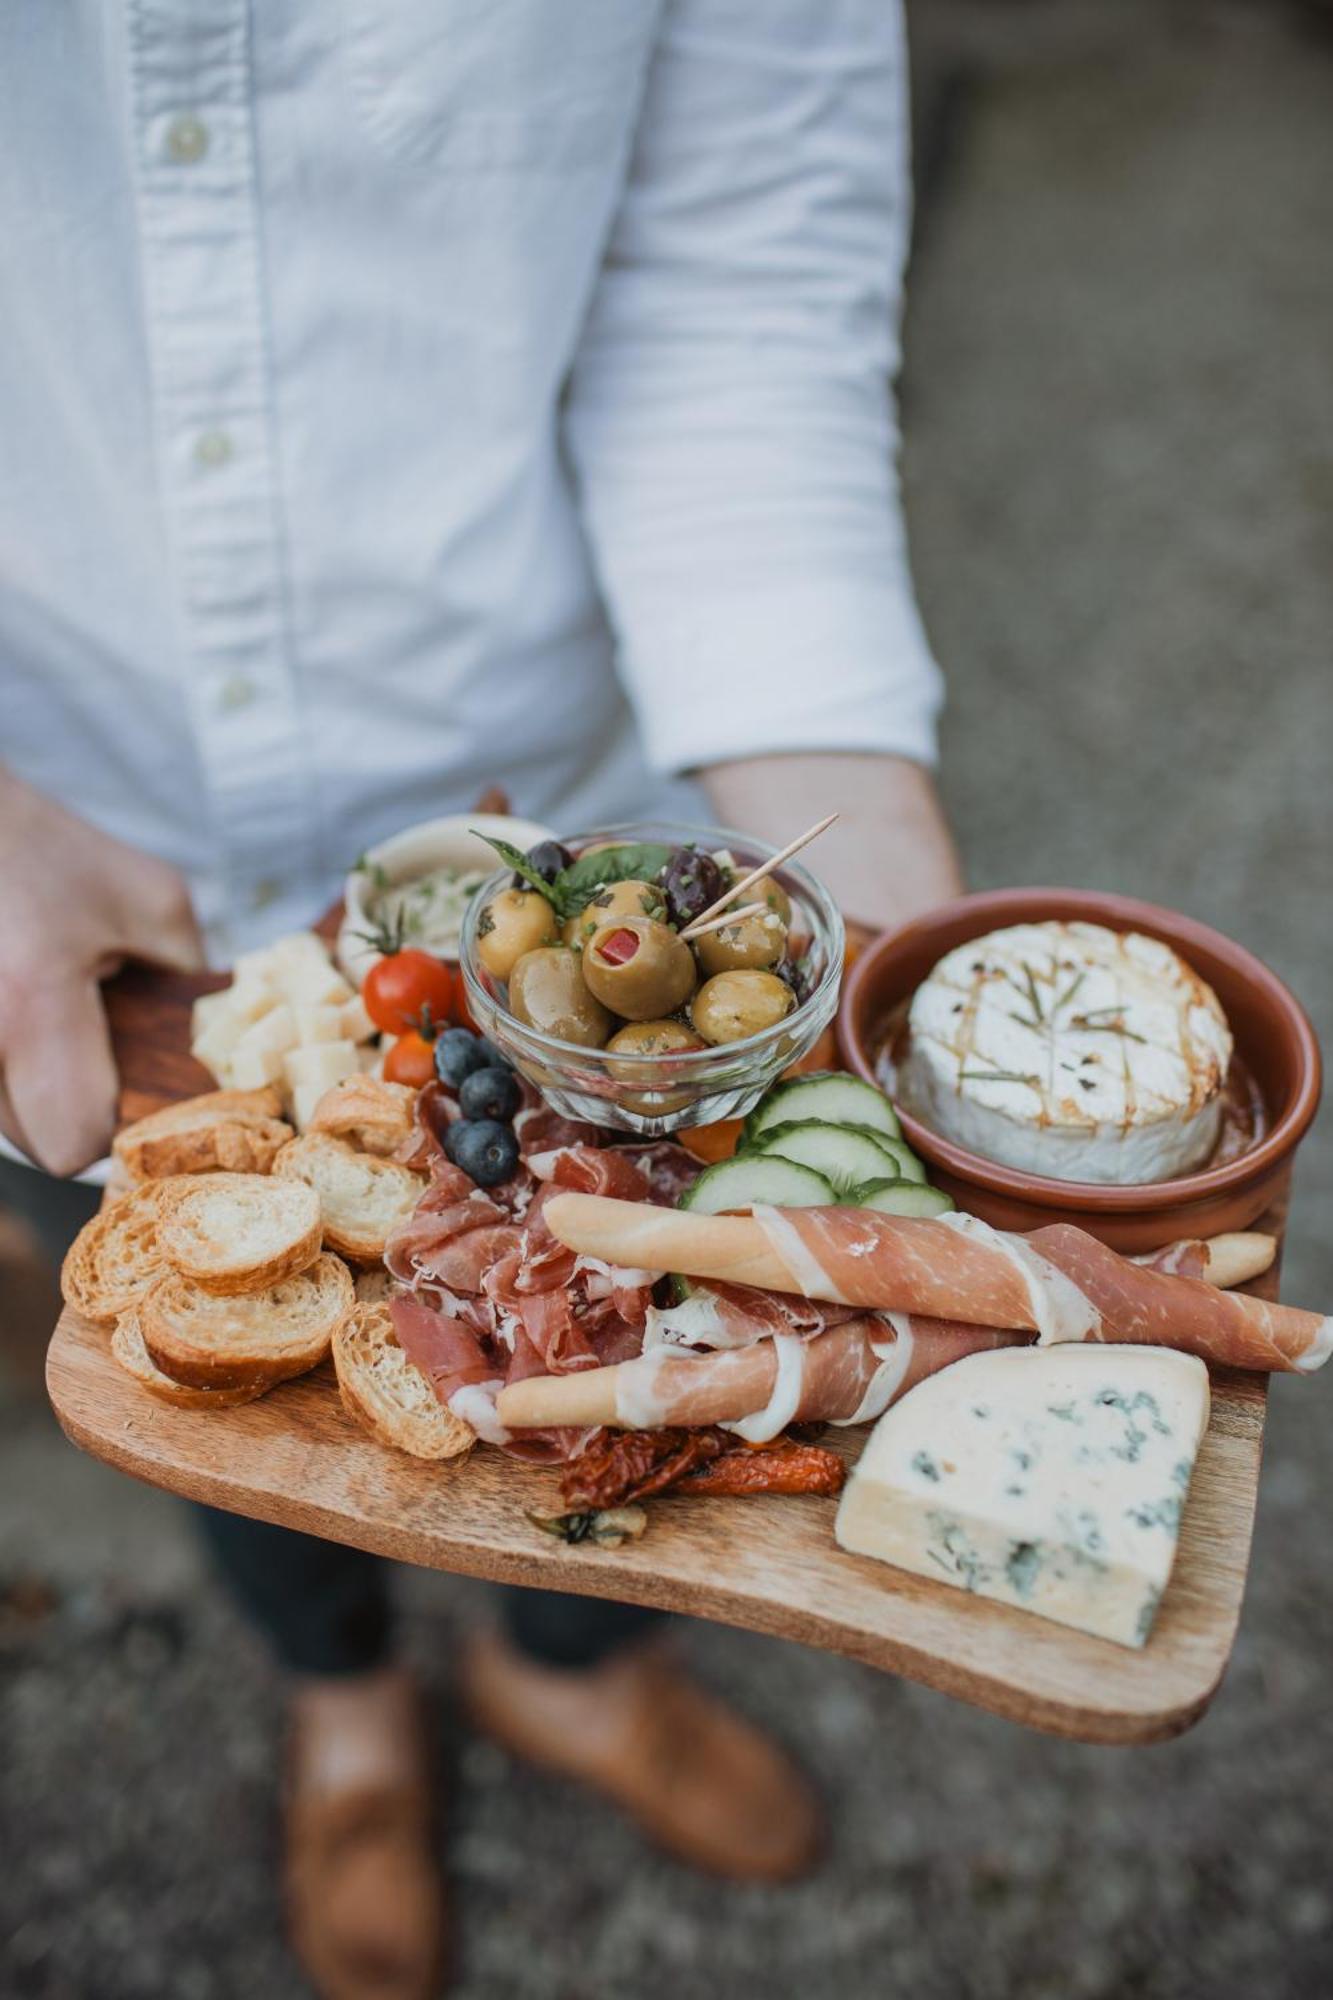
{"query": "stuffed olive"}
{"type": "Point", "coordinates": [618, 899]}
{"type": "Point", "coordinates": [654, 1038]}
{"type": "Point", "coordinates": [732, 1005]}
{"type": "Point", "coordinates": [758, 941]}
{"type": "Point", "coordinates": [639, 968]}
{"type": "Point", "coordinates": [548, 991]}
{"type": "Point", "coordinates": [512, 923]}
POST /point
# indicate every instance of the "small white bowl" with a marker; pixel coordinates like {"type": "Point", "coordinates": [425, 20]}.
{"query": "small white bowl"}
{"type": "Point", "coordinates": [434, 843]}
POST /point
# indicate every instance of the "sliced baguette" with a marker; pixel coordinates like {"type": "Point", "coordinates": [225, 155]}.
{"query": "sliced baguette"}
{"type": "Point", "coordinates": [237, 1131]}
{"type": "Point", "coordinates": [127, 1346]}
{"type": "Point", "coordinates": [370, 1114]}
{"type": "Point", "coordinates": [209, 1342]}
{"type": "Point", "coordinates": [116, 1256]}
{"type": "Point", "coordinates": [239, 1232]}
{"type": "Point", "coordinates": [363, 1198]}
{"type": "Point", "coordinates": [387, 1394]}
{"type": "Point", "coordinates": [373, 1287]}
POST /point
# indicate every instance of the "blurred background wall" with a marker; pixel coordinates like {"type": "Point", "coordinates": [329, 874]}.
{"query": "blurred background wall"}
{"type": "Point", "coordinates": [1119, 415]}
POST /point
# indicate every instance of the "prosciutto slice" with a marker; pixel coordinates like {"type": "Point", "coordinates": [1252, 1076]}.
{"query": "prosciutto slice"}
{"type": "Point", "coordinates": [1058, 1282]}
{"type": "Point", "coordinates": [1134, 1303]}
{"type": "Point", "coordinates": [492, 1297]}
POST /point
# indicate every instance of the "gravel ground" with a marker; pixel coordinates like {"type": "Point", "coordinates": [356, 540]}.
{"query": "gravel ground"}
{"type": "Point", "coordinates": [1121, 490]}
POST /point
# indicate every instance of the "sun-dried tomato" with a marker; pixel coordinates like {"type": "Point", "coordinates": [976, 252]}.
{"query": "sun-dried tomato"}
{"type": "Point", "coordinates": [787, 1468]}
{"type": "Point", "coordinates": [632, 1465]}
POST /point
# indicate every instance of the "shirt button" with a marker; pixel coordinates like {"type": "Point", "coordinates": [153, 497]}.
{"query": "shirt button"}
{"type": "Point", "coordinates": [187, 140]}
{"type": "Point", "coordinates": [263, 894]}
{"type": "Point", "coordinates": [212, 448]}
{"type": "Point", "coordinates": [237, 691]}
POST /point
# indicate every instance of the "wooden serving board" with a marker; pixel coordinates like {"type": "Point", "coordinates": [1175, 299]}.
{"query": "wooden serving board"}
{"type": "Point", "coordinates": [767, 1564]}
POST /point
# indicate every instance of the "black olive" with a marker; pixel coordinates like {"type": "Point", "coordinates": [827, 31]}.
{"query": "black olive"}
{"type": "Point", "coordinates": [486, 1150]}
{"type": "Point", "coordinates": [490, 1093]}
{"type": "Point", "coordinates": [691, 882]}
{"type": "Point", "coordinates": [546, 859]}
{"type": "Point", "coordinates": [457, 1053]}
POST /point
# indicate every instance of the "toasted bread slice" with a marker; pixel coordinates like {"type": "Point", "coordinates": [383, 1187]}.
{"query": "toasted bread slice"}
{"type": "Point", "coordinates": [128, 1348]}
{"type": "Point", "coordinates": [239, 1232]}
{"type": "Point", "coordinates": [209, 1342]}
{"type": "Point", "coordinates": [373, 1287]}
{"type": "Point", "coordinates": [238, 1131]}
{"type": "Point", "coordinates": [116, 1256]}
{"type": "Point", "coordinates": [370, 1114]}
{"type": "Point", "coordinates": [387, 1394]}
{"type": "Point", "coordinates": [362, 1197]}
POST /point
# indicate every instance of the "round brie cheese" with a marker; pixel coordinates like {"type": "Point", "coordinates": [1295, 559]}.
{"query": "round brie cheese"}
{"type": "Point", "coordinates": [1069, 1050]}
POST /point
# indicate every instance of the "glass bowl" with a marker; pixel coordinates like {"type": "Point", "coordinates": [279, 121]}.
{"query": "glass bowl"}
{"type": "Point", "coordinates": [657, 1094]}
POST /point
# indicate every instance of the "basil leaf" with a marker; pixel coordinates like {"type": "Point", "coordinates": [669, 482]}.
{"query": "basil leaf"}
{"type": "Point", "coordinates": [579, 883]}
{"type": "Point", "coordinates": [513, 857]}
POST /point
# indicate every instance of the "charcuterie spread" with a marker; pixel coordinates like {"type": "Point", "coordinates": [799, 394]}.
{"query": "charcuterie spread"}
{"type": "Point", "coordinates": [379, 1183]}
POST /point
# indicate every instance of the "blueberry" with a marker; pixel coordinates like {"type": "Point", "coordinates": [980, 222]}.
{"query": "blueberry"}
{"type": "Point", "coordinates": [485, 1150]}
{"type": "Point", "coordinates": [546, 859]}
{"type": "Point", "coordinates": [457, 1053]}
{"type": "Point", "coordinates": [490, 1093]}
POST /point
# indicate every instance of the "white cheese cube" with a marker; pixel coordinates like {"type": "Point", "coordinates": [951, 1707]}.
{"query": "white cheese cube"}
{"type": "Point", "coordinates": [312, 982]}
{"type": "Point", "coordinates": [357, 1024]}
{"type": "Point", "coordinates": [275, 1030]}
{"type": "Point", "coordinates": [1050, 1478]}
{"type": "Point", "coordinates": [304, 1099]}
{"type": "Point", "coordinates": [369, 1059]}
{"type": "Point", "coordinates": [323, 1063]}
{"type": "Point", "coordinates": [251, 1069]}
{"type": "Point", "coordinates": [318, 1024]}
{"type": "Point", "coordinates": [215, 1047]}
{"type": "Point", "coordinates": [208, 1010]}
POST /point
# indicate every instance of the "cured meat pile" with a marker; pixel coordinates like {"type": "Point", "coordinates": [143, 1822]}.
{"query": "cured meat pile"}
{"type": "Point", "coordinates": [489, 1297]}
{"type": "Point", "coordinates": [542, 1320]}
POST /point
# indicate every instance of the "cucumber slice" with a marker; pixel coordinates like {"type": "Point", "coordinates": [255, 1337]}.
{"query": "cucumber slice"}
{"type": "Point", "coordinates": [826, 1097]}
{"type": "Point", "coordinates": [846, 1155]}
{"type": "Point", "coordinates": [900, 1198]}
{"type": "Point", "coordinates": [757, 1177]}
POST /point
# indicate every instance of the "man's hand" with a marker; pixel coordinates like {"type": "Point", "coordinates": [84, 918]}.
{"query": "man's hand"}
{"type": "Point", "coordinates": [73, 904]}
{"type": "Point", "coordinates": [888, 857]}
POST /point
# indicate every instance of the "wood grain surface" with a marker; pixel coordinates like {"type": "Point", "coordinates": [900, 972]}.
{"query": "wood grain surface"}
{"type": "Point", "coordinates": [767, 1564]}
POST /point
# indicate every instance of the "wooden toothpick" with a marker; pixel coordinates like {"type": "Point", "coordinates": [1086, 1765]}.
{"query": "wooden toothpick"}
{"type": "Point", "coordinates": [704, 921]}
{"type": "Point", "coordinates": [726, 917]}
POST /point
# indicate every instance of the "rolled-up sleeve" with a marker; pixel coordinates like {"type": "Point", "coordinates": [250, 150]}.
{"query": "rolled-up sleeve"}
{"type": "Point", "coordinates": [730, 416]}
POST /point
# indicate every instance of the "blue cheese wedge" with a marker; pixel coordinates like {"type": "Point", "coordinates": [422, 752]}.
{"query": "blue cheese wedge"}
{"type": "Point", "coordinates": [1071, 1051]}
{"type": "Point", "coordinates": [1050, 1478]}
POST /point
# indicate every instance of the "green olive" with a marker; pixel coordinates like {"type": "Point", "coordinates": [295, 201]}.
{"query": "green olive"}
{"type": "Point", "coordinates": [771, 892]}
{"type": "Point", "coordinates": [547, 991]}
{"type": "Point", "coordinates": [732, 1005]}
{"type": "Point", "coordinates": [617, 899]}
{"type": "Point", "coordinates": [639, 968]}
{"type": "Point", "coordinates": [757, 941]}
{"type": "Point", "coordinates": [653, 1096]}
{"type": "Point", "coordinates": [512, 923]}
{"type": "Point", "coordinates": [654, 1038]}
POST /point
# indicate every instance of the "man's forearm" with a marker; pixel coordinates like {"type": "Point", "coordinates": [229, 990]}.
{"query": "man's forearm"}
{"type": "Point", "coordinates": [889, 855]}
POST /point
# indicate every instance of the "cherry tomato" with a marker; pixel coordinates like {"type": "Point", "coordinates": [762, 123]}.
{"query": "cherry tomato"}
{"type": "Point", "coordinates": [411, 1059]}
{"type": "Point", "coordinates": [399, 987]}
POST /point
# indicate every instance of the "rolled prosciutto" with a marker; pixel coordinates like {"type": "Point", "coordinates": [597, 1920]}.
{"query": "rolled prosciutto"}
{"type": "Point", "coordinates": [848, 1374]}
{"type": "Point", "coordinates": [1058, 1283]}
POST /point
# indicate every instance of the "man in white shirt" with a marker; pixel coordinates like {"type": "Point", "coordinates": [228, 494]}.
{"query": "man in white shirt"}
{"type": "Point", "coordinates": [396, 399]}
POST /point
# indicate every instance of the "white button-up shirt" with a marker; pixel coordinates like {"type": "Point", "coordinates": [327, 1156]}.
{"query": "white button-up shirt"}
{"type": "Point", "coordinates": [401, 395]}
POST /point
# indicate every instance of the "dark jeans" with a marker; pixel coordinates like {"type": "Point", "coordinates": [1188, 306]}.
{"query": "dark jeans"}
{"type": "Point", "coordinates": [323, 1607]}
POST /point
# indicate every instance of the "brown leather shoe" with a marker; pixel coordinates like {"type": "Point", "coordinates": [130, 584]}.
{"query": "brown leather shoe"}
{"type": "Point", "coordinates": [364, 1901]}
{"type": "Point", "coordinates": [698, 1779]}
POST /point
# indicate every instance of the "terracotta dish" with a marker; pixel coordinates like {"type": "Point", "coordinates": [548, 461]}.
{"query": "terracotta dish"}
{"type": "Point", "coordinates": [1273, 1037]}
